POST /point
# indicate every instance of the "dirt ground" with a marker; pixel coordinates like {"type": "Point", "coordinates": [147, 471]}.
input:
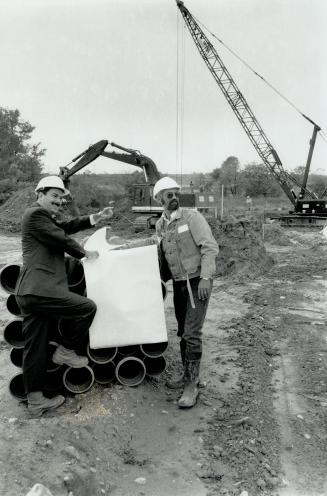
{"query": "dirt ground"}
{"type": "Point", "coordinates": [260, 424]}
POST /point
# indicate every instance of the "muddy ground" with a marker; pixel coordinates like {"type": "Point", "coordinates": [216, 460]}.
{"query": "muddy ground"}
{"type": "Point", "coordinates": [259, 427]}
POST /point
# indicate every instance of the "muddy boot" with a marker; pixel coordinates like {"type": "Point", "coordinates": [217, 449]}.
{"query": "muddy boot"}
{"type": "Point", "coordinates": [64, 356]}
{"type": "Point", "coordinates": [37, 404]}
{"type": "Point", "coordinates": [191, 387]}
{"type": "Point", "coordinates": [178, 382]}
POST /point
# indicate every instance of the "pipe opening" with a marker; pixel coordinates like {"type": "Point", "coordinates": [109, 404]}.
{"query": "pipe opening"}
{"type": "Point", "coordinates": [13, 333]}
{"type": "Point", "coordinates": [54, 380]}
{"type": "Point", "coordinates": [12, 305]}
{"type": "Point", "coordinates": [104, 373]}
{"type": "Point", "coordinates": [16, 357]}
{"type": "Point", "coordinates": [130, 371]}
{"type": "Point", "coordinates": [154, 366]}
{"type": "Point", "coordinates": [154, 349]}
{"type": "Point", "coordinates": [16, 387]}
{"type": "Point", "coordinates": [8, 277]}
{"type": "Point", "coordinates": [101, 356]}
{"type": "Point", "coordinates": [78, 381]}
{"type": "Point", "coordinates": [128, 350]}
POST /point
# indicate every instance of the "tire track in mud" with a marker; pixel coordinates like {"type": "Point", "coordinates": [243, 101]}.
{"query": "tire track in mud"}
{"type": "Point", "coordinates": [302, 404]}
{"type": "Point", "coordinates": [243, 437]}
{"type": "Point", "coordinates": [301, 377]}
{"type": "Point", "coordinates": [269, 436]}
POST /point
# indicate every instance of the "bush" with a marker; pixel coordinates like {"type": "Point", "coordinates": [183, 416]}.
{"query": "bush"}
{"type": "Point", "coordinates": [90, 196]}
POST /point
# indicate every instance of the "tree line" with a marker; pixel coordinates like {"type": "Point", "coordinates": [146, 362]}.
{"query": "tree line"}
{"type": "Point", "coordinates": [21, 164]}
{"type": "Point", "coordinates": [20, 160]}
{"type": "Point", "coordinates": [254, 179]}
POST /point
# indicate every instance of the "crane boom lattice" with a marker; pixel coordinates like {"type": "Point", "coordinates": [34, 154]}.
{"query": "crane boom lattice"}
{"type": "Point", "coordinates": [239, 105]}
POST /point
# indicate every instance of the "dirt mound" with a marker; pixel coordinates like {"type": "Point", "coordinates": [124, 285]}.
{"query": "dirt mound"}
{"type": "Point", "coordinates": [11, 212]}
{"type": "Point", "coordinates": [277, 235]}
{"type": "Point", "coordinates": [241, 247]}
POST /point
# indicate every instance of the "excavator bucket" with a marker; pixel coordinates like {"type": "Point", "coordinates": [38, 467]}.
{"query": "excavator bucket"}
{"type": "Point", "coordinates": [86, 157]}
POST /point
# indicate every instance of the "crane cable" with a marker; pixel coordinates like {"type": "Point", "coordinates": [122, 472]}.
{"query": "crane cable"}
{"type": "Point", "coordinates": [324, 137]}
{"type": "Point", "coordinates": [180, 85]}
{"type": "Point", "coordinates": [177, 98]}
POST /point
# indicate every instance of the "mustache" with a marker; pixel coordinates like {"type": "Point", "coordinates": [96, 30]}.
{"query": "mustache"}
{"type": "Point", "coordinates": [173, 204]}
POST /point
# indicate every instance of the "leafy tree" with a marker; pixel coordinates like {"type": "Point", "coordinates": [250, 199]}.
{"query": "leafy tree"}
{"type": "Point", "coordinates": [317, 184]}
{"type": "Point", "coordinates": [215, 174]}
{"type": "Point", "coordinates": [257, 180]}
{"type": "Point", "coordinates": [19, 159]}
{"type": "Point", "coordinates": [229, 174]}
{"type": "Point", "coordinates": [299, 170]}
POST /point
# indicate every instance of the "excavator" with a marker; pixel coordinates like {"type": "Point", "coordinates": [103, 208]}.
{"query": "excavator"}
{"type": "Point", "coordinates": [147, 209]}
{"type": "Point", "coordinates": [309, 210]}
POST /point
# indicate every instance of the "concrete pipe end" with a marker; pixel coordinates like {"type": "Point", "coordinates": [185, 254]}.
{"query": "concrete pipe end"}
{"type": "Point", "coordinates": [78, 381]}
{"type": "Point", "coordinates": [101, 355]}
{"type": "Point", "coordinates": [155, 366]}
{"type": "Point", "coordinates": [130, 371]}
{"type": "Point", "coordinates": [12, 306]}
{"type": "Point", "coordinates": [154, 350]}
{"type": "Point", "coordinates": [9, 276]}
{"type": "Point", "coordinates": [13, 333]}
{"type": "Point", "coordinates": [16, 387]}
{"type": "Point", "coordinates": [104, 373]}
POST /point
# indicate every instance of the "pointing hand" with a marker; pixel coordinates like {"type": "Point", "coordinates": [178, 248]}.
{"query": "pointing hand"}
{"type": "Point", "coordinates": [107, 212]}
{"type": "Point", "coordinates": [91, 255]}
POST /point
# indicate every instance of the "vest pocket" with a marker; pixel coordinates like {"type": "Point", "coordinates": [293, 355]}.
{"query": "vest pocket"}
{"type": "Point", "coordinates": [186, 244]}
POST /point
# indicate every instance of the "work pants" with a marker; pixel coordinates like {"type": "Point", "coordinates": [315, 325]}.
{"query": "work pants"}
{"type": "Point", "coordinates": [38, 312]}
{"type": "Point", "coordinates": [190, 320]}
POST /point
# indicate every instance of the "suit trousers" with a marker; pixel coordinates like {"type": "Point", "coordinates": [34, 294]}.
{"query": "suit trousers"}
{"type": "Point", "coordinates": [38, 313]}
{"type": "Point", "coordinates": [190, 320]}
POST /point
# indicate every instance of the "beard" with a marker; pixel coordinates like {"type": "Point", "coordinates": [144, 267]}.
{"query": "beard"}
{"type": "Point", "coordinates": [173, 205]}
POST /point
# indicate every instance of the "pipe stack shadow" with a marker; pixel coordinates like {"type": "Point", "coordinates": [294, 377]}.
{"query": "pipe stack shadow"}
{"type": "Point", "coordinates": [127, 365]}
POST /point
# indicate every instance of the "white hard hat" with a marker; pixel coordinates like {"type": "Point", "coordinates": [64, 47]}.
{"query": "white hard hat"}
{"type": "Point", "coordinates": [50, 182]}
{"type": "Point", "coordinates": [164, 183]}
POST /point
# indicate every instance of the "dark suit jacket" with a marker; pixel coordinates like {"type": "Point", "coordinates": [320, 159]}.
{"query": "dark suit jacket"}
{"type": "Point", "coordinates": [45, 242]}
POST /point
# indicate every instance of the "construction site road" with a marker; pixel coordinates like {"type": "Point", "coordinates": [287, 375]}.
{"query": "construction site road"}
{"type": "Point", "coordinates": [260, 424]}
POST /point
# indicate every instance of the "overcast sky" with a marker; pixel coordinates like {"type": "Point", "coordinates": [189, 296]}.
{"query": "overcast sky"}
{"type": "Point", "coordinates": [85, 70]}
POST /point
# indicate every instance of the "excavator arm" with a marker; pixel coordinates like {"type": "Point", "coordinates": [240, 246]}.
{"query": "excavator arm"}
{"type": "Point", "coordinates": [132, 157]}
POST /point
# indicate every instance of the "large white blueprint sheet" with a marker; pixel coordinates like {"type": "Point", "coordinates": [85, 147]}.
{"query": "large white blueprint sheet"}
{"type": "Point", "coordinates": [126, 286]}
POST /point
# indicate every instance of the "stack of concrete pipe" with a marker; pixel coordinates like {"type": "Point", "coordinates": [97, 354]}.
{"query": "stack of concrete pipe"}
{"type": "Point", "coordinates": [127, 365]}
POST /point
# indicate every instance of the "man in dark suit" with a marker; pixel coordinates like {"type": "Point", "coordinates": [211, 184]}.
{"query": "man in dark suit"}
{"type": "Point", "coordinates": [42, 290]}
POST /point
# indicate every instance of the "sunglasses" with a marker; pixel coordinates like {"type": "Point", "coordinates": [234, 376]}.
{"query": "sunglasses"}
{"type": "Point", "coordinates": [170, 195]}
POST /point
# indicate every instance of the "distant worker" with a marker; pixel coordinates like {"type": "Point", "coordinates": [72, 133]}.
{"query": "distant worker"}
{"type": "Point", "coordinates": [189, 249]}
{"type": "Point", "coordinates": [42, 290]}
{"type": "Point", "coordinates": [249, 202]}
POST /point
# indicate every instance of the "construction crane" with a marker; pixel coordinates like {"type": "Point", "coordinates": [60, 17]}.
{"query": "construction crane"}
{"type": "Point", "coordinates": [308, 209]}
